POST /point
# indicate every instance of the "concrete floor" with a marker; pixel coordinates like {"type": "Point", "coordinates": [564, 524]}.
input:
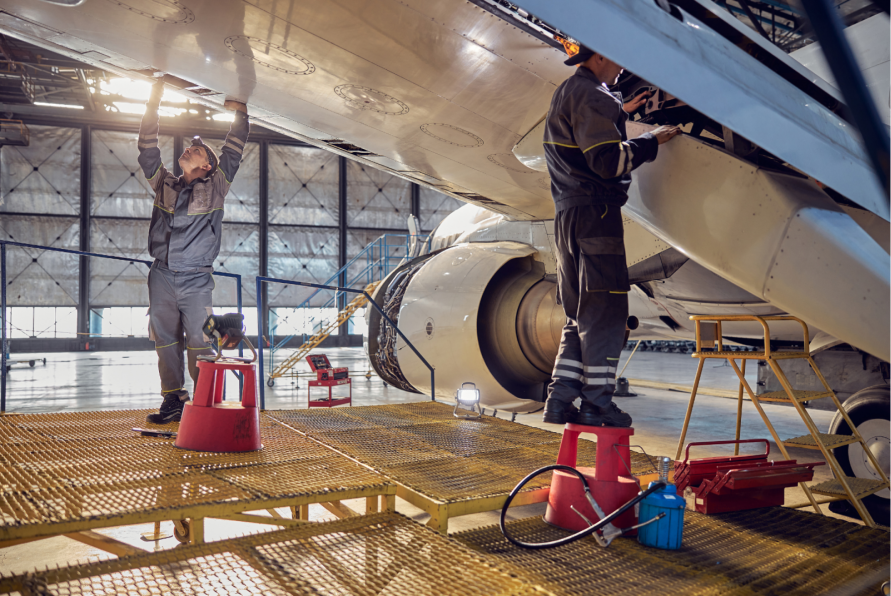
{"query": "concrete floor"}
{"type": "Point", "coordinates": [128, 380]}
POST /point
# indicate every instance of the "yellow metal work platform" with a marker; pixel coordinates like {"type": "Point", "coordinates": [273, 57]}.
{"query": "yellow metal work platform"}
{"type": "Point", "coordinates": [369, 555]}
{"type": "Point", "coordinates": [75, 472]}
{"type": "Point", "coordinates": [774, 551]}
{"type": "Point", "coordinates": [445, 466]}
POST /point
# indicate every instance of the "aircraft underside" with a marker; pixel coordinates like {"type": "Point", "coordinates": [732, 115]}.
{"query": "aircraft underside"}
{"type": "Point", "coordinates": [766, 205]}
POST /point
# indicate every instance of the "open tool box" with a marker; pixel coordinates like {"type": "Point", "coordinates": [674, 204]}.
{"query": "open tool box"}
{"type": "Point", "coordinates": [739, 482]}
{"type": "Point", "coordinates": [330, 377]}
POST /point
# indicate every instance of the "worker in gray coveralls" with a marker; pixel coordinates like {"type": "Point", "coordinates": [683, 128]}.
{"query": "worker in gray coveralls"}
{"type": "Point", "coordinates": [184, 239]}
{"type": "Point", "coordinates": [590, 160]}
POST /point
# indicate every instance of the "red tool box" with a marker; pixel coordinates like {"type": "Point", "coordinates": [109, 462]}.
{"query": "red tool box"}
{"type": "Point", "coordinates": [739, 482]}
{"type": "Point", "coordinates": [327, 376]}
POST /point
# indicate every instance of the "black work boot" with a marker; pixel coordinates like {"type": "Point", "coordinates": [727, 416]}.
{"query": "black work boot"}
{"type": "Point", "coordinates": [611, 415]}
{"type": "Point", "coordinates": [558, 412]}
{"type": "Point", "coordinates": [589, 415]}
{"type": "Point", "coordinates": [171, 410]}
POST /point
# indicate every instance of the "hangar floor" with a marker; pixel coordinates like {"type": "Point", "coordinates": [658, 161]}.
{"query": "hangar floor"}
{"type": "Point", "coordinates": [105, 381]}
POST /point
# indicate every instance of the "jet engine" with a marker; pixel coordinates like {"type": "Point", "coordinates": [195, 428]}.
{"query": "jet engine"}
{"type": "Point", "coordinates": [483, 312]}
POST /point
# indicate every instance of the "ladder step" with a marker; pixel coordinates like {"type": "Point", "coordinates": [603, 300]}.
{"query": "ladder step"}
{"type": "Point", "coordinates": [751, 355]}
{"type": "Point", "coordinates": [734, 355]}
{"type": "Point", "coordinates": [800, 396]}
{"type": "Point", "coordinates": [829, 441]}
{"type": "Point", "coordinates": [861, 487]}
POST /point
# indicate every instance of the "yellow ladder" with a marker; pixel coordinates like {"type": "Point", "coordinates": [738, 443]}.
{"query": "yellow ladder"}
{"type": "Point", "coordinates": [709, 331]}
{"type": "Point", "coordinates": [326, 330]}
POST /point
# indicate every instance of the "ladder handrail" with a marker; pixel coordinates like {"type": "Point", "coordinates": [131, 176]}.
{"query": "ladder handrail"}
{"type": "Point", "coordinates": [718, 319]}
{"type": "Point", "coordinates": [369, 267]}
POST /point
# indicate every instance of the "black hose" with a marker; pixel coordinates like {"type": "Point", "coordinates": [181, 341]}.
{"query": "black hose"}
{"type": "Point", "coordinates": [587, 531]}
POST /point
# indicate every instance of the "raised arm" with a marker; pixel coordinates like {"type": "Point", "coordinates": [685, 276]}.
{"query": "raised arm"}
{"type": "Point", "coordinates": [149, 153]}
{"type": "Point", "coordinates": [601, 142]}
{"type": "Point", "coordinates": [233, 148]}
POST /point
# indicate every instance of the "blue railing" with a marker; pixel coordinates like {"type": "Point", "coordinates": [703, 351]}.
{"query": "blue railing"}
{"type": "Point", "coordinates": [4, 341]}
{"type": "Point", "coordinates": [261, 280]}
{"type": "Point", "coordinates": [379, 259]}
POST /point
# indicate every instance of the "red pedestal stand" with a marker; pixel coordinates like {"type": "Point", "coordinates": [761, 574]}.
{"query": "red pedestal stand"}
{"type": "Point", "coordinates": [610, 481]}
{"type": "Point", "coordinates": [211, 424]}
{"type": "Point", "coordinates": [330, 377]}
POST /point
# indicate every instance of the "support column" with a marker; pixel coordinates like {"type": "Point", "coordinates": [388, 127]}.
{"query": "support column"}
{"type": "Point", "coordinates": [177, 151]}
{"type": "Point", "coordinates": [342, 239]}
{"type": "Point", "coordinates": [83, 292]}
{"type": "Point", "coordinates": [416, 200]}
{"type": "Point", "coordinates": [264, 232]}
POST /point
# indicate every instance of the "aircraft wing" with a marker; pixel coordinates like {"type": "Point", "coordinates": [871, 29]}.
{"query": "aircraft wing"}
{"type": "Point", "coordinates": [435, 92]}
{"type": "Point", "coordinates": [686, 58]}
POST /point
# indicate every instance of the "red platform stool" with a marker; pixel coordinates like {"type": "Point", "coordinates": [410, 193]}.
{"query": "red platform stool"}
{"type": "Point", "coordinates": [211, 424]}
{"type": "Point", "coordinates": [610, 480]}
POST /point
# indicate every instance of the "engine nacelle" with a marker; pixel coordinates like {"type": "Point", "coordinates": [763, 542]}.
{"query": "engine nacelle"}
{"type": "Point", "coordinates": [484, 313]}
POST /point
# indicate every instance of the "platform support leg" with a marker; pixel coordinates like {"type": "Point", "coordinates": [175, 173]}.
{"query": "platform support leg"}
{"type": "Point", "coordinates": [439, 519]}
{"type": "Point", "coordinates": [689, 409]}
{"type": "Point", "coordinates": [388, 503]}
{"type": "Point", "coordinates": [739, 404]}
{"type": "Point", "coordinates": [197, 530]}
{"type": "Point", "coordinates": [371, 505]}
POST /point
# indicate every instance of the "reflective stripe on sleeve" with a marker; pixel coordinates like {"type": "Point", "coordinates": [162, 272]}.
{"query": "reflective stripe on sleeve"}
{"type": "Point", "coordinates": [622, 158]}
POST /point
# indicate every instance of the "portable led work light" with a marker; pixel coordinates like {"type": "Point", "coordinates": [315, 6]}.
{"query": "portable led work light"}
{"type": "Point", "coordinates": [465, 397]}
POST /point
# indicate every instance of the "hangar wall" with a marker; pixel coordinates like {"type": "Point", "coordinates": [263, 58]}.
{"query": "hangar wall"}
{"type": "Point", "coordinates": [294, 211]}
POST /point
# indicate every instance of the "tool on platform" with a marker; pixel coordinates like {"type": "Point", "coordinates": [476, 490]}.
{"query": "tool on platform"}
{"type": "Point", "coordinates": [580, 495]}
{"type": "Point", "coordinates": [666, 509]}
{"type": "Point", "coordinates": [209, 423]}
{"type": "Point", "coordinates": [150, 432]}
{"type": "Point", "coordinates": [739, 482]}
{"type": "Point", "coordinates": [330, 377]}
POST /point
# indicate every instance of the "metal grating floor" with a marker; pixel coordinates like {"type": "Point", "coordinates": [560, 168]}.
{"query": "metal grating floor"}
{"type": "Point", "coordinates": [371, 555]}
{"type": "Point", "coordinates": [89, 469]}
{"type": "Point", "coordinates": [424, 447]}
{"type": "Point", "coordinates": [771, 551]}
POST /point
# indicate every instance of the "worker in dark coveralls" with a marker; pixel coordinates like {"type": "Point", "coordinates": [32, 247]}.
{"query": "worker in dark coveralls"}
{"type": "Point", "coordinates": [184, 239]}
{"type": "Point", "coordinates": [590, 160]}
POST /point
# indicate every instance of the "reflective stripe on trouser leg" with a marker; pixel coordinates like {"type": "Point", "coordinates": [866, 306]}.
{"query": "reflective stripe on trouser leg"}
{"type": "Point", "coordinates": [602, 320]}
{"type": "Point", "coordinates": [167, 332]}
{"type": "Point", "coordinates": [568, 376]}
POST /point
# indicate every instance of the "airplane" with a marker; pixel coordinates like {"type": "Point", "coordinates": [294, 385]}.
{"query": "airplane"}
{"type": "Point", "coordinates": [451, 95]}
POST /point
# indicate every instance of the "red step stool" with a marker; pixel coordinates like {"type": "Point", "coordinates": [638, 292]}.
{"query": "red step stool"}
{"type": "Point", "coordinates": [211, 424]}
{"type": "Point", "coordinates": [610, 479]}
{"type": "Point", "coordinates": [327, 376]}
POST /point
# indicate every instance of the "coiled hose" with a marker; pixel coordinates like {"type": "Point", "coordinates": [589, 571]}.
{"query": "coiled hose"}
{"type": "Point", "coordinates": [587, 531]}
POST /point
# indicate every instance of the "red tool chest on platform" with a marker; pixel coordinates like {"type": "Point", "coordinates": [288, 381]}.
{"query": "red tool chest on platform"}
{"type": "Point", "coordinates": [738, 482]}
{"type": "Point", "coordinates": [327, 376]}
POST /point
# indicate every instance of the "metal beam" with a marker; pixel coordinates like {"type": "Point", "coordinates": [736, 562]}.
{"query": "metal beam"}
{"type": "Point", "coordinates": [416, 200]}
{"type": "Point", "coordinates": [177, 151]}
{"type": "Point", "coordinates": [86, 89]}
{"type": "Point", "coordinates": [828, 27]}
{"type": "Point", "coordinates": [342, 165]}
{"type": "Point", "coordinates": [264, 227]}
{"type": "Point", "coordinates": [83, 289]}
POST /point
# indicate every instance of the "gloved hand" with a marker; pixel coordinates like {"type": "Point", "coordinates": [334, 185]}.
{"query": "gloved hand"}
{"type": "Point", "coordinates": [157, 93]}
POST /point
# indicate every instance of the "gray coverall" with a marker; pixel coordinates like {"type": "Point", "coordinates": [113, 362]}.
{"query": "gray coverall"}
{"type": "Point", "coordinates": [184, 240]}
{"type": "Point", "coordinates": [590, 160]}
